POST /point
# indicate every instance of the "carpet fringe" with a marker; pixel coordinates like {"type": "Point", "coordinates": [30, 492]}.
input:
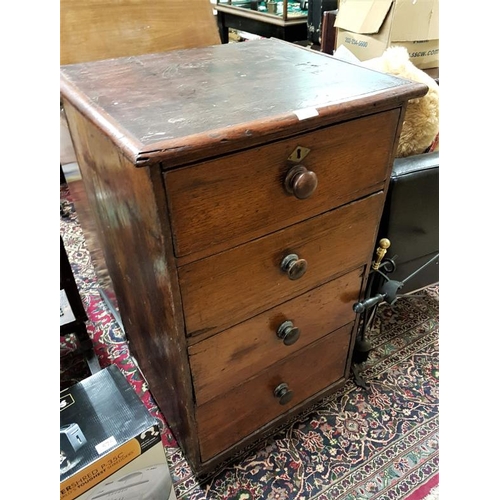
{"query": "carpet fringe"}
{"type": "Point", "coordinates": [433, 494]}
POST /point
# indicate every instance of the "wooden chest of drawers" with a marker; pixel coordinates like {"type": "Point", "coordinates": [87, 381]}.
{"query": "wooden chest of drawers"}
{"type": "Point", "coordinates": [237, 191]}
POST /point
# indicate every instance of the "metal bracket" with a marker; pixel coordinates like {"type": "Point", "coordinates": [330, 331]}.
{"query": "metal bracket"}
{"type": "Point", "coordinates": [358, 379]}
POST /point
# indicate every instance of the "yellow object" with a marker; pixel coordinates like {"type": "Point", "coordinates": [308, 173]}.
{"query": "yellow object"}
{"type": "Point", "coordinates": [381, 251]}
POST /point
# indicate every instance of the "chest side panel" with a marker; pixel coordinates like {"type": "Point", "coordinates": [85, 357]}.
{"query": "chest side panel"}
{"type": "Point", "coordinates": [128, 205]}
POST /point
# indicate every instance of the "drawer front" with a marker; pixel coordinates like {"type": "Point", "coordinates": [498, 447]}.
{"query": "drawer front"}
{"type": "Point", "coordinates": [224, 421]}
{"type": "Point", "coordinates": [230, 287]}
{"type": "Point", "coordinates": [228, 201]}
{"type": "Point", "coordinates": [237, 354]}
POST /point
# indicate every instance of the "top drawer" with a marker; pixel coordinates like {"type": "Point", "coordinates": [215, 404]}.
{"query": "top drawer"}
{"type": "Point", "coordinates": [221, 203]}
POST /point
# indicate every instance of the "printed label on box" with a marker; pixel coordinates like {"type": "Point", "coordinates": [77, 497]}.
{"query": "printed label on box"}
{"type": "Point", "coordinates": [65, 312]}
{"type": "Point", "coordinates": [101, 469]}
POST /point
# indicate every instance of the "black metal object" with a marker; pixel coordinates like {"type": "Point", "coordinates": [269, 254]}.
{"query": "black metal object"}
{"type": "Point", "coordinates": [315, 10]}
{"type": "Point", "coordinates": [410, 219]}
{"type": "Point", "coordinates": [380, 289]}
{"type": "Point", "coordinates": [82, 361]}
{"type": "Point", "coordinates": [294, 266]}
{"type": "Point", "coordinates": [283, 393]}
{"type": "Point", "coordinates": [288, 333]}
{"type": "Point", "coordinates": [68, 285]}
{"type": "Point", "coordinates": [290, 32]}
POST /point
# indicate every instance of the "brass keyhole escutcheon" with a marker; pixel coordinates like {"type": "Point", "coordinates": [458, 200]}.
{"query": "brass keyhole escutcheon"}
{"type": "Point", "coordinates": [283, 393]}
{"type": "Point", "coordinates": [288, 333]}
{"type": "Point", "coordinates": [298, 154]}
{"type": "Point", "coordinates": [301, 182]}
{"type": "Point", "coordinates": [293, 266]}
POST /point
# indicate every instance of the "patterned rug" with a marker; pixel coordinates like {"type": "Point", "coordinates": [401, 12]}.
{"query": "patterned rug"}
{"type": "Point", "coordinates": [378, 444]}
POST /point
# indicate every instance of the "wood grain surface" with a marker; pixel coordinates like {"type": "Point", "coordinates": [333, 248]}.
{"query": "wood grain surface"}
{"type": "Point", "coordinates": [227, 288]}
{"type": "Point", "coordinates": [184, 105]}
{"type": "Point", "coordinates": [129, 208]}
{"type": "Point", "coordinates": [183, 155]}
{"type": "Point", "coordinates": [224, 421]}
{"type": "Point", "coordinates": [218, 204]}
{"type": "Point", "coordinates": [231, 357]}
{"type": "Point", "coordinates": [103, 29]}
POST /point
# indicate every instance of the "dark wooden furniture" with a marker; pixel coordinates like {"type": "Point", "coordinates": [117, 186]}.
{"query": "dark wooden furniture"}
{"type": "Point", "coordinates": [328, 31]}
{"type": "Point", "coordinates": [237, 192]}
{"type": "Point", "coordinates": [106, 29]}
{"type": "Point", "coordinates": [259, 23]}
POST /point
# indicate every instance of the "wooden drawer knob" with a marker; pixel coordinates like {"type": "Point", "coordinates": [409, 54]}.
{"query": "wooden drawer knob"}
{"type": "Point", "coordinates": [294, 267]}
{"type": "Point", "coordinates": [301, 182]}
{"type": "Point", "coordinates": [283, 393]}
{"type": "Point", "coordinates": [288, 333]}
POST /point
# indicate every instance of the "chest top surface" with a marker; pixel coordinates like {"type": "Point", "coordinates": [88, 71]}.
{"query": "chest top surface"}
{"type": "Point", "coordinates": [156, 106]}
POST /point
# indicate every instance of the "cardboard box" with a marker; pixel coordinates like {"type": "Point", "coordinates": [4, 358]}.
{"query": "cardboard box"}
{"type": "Point", "coordinates": [111, 446]}
{"type": "Point", "coordinates": [368, 27]}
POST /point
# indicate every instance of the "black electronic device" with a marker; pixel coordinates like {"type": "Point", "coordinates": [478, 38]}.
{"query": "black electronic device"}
{"type": "Point", "coordinates": [111, 445]}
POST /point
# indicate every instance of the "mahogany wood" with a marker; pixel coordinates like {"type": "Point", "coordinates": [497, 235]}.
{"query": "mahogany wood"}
{"type": "Point", "coordinates": [139, 125]}
{"type": "Point", "coordinates": [328, 31]}
{"type": "Point", "coordinates": [102, 29]}
{"type": "Point", "coordinates": [129, 208]}
{"type": "Point", "coordinates": [211, 105]}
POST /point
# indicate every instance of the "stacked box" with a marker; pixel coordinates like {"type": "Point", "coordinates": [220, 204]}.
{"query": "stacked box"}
{"type": "Point", "coordinates": [368, 27]}
{"type": "Point", "coordinates": [111, 446]}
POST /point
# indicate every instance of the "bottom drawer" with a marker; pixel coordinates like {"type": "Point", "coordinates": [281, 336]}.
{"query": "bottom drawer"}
{"type": "Point", "coordinates": [225, 420]}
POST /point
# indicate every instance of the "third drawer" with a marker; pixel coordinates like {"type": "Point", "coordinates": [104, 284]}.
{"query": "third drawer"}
{"type": "Point", "coordinates": [236, 354]}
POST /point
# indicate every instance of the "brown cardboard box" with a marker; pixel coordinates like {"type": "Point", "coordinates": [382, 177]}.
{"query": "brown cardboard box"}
{"type": "Point", "coordinates": [368, 27]}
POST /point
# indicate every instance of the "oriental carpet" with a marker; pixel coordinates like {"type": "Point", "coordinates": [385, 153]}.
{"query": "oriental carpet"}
{"type": "Point", "coordinates": [378, 443]}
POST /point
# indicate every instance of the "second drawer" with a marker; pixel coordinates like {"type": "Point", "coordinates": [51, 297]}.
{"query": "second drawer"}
{"type": "Point", "coordinates": [230, 287]}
